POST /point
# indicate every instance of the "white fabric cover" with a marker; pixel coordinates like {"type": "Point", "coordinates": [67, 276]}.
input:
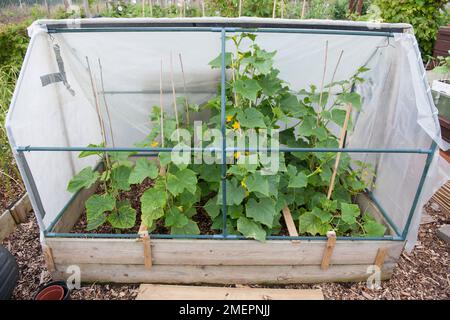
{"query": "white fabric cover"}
{"type": "Point", "coordinates": [397, 111]}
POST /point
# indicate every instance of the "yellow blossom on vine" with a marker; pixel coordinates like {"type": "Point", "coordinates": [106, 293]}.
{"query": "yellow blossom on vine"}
{"type": "Point", "coordinates": [229, 118]}
{"type": "Point", "coordinates": [154, 144]}
{"type": "Point", "coordinates": [243, 184]}
{"type": "Point", "coordinates": [319, 169]}
{"type": "Point", "coordinates": [236, 125]}
{"type": "Point", "coordinates": [237, 155]}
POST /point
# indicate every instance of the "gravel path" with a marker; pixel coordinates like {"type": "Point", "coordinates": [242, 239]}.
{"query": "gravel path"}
{"type": "Point", "coordinates": [422, 274]}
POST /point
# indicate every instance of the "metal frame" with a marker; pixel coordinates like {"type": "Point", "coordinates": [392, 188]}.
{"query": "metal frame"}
{"type": "Point", "coordinates": [400, 235]}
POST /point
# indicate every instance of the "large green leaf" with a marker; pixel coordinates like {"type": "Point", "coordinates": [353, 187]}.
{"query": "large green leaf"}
{"type": "Point", "coordinates": [247, 88]}
{"type": "Point", "coordinates": [270, 85]}
{"type": "Point", "coordinates": [121, 158]}
{"type": "Point", "coordinates": [143, 169]}
{"type": "Point", "coordinates": [84, 154]}
{"type": "Point", "coordinates": [349, 212]}
{"type": "Point", "coordinates": [84, 179]}
{"type": "Point", "coordinates": [374, 229]}
{"type": "Point", "coordinates": [290, 105]}
{"type": "Point", "coordinates": [217, 62]}
{"type": "Point", "coordinates": [190, 227]}
{"type": "Point", "coordinates": [123, 217]}
{"type": "Point", "coordinates": [324, 216]}
{"type": "Point", "coordinates": [150, 215]}
{"type": "Point", "coordinates": [251, 229]}
{"type": "Point", "coordinates": [251, 118]}
{"type": "Point", "coordinates": [175, 218]}
{"type": "Point", "coordinates": [152, 199]}
{"type": "Point", "coordinates": [235, 193]}
{"type": "Point", "coordinates": [306, 128]}
{"type": "Point", "coordinates": [351, 97]}
{"type": "Point", "coordinates": [179, 181]}
{"type": "Point", "coordinates": [310, 223]}
{"type": "Point", "coordinates": [96, 206]}
{"type": "Point", "coordinates": [212, 207]}
{"type": "Point", "coordinates": [299, 180]}
{"type": "Point", "coordinates": [262, 211]}
{"type": "Point", "coordinates": [120, 177]}
{"type": "Point", "coordinates": [258, 183]}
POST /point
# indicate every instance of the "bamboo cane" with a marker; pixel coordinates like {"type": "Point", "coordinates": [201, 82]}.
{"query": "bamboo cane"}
{"type": "Point", "coordinates": [184, 90]}
{"type": "Point", "coordinates": [175, 109]}
{"type": "Point", "coordinates": [274, 9]}
{"type": "Point", "coordinates": [303, 9]}
{"type": "Point", "coordinates": [341, 144]}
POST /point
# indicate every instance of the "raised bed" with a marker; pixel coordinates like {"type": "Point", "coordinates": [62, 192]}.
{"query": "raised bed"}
{"type": "Point", "coordinates": [112, 258]}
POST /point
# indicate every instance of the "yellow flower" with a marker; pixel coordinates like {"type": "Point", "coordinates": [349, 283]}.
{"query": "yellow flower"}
{"type": "Point", "coordinates": [154, 144]}
{"type": "Point", "coordinates": [236, 125]}
{"type": "Point", "coordinates": [319, 169]}
{"type": "Point", "coordinates": [237, 155]}
{"type": "Point", "coordinates": [229, 118]}
{"type": "Point", "coordinates": [243, 184]}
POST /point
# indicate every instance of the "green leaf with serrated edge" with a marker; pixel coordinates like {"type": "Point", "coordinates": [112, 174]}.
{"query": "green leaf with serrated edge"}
{"type": "Point", "coordinates": [212, 208]}
{"type": "Point", "coordinates": [310, 223]}
{"type": "Point", "coordinates": [258, 183]}
{"type": "Point", "coordinates": [262, 211]}
{"type": "Point", "coordinates": [209, 173]}
{"type": "Point", "coordinates": [96, 206]}
{"type": "Point", "coordinates": [85, 154]}
{"type": "Point", "coordinates": [120, 176]}
{"type": "Point", "coordinates": [190, 227]}
{"type": "Point", "coordinates": [251, 118]}
{"type": "Point", "coordinates": [300, 180]}
{"type": "Point", "coordinates": [143, 169]}
{"type": "Point", "coordinates": [164, 158]}
{"type": "Point", "coordinates": [121, 158]}
{"type": "Point", "coordinates": [235, 193]}
{"type": "Point", "coordinates": [190, 212]}
{"type": "Point", "coordinates": [179, 181]}
{"type": "Point", "coordinates": [374, 229]}
{"type": "Point", "coordinates": [84, 179]}
{"type": "Point", "coordinates": [217, 62]}
{"type": "Point", "coordinates": [251, 229]}
{"type": "Point", "coordinates": [152, 199]}
{"type": "Point", "coordinates": [351, 97]}
{"type": "Point", "coordinates": [174, 218]}
{"type": "Point", "coordinates": [324, 216]}
{"type": "Point", "coordinates": [235, 211]}
{"type": "Point", "coordinates": [349, 212]}
{"type": "Point", "coordinates": [149, 216]}
{"type": "Point", "coordinates": [270, 85]}
{"type": "Point", "coordinates": [123, 217]}
{"type": "Point", "coordinates": [291, 106]}
{"type": "Point", "coordinates": [247, 88]}
{"type": "Point", "coordinates": [307, 126]}
{"type": "Point", "coordinates": [338, 116]}
{"type": "Point", "coordinates": [321, 133]}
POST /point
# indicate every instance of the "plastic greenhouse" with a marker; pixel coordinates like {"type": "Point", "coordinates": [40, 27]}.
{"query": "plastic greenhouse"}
{"type": "Point", "coordinates": [62, 92]}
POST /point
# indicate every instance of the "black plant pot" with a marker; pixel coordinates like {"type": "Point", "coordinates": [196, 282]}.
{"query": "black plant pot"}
{"type": "Point", "coordinates": [54, 283]}
{"type": "Point", "coordinates": [9, 273]}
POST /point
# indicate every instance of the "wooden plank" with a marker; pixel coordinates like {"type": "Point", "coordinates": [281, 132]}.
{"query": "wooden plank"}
{"type": "Point", "coordinates": [20, 209]}
{"type": "Point", "coordinates": [48, 257]}
{"type": "Point", "coordinates": [217, 252]}
{"type": "Point", "coordinates": [74, 210]}
{"type": "Point", "coordinates": [7, 224]}
{"type": "Point", "coordinates": [381, 256]}
{"type": "Point", "coordinates": [171, 292]}
{"type": "Point", "coordinates": [289, 222]}
{"type": "Point", "coordinates": [147, 251]}
{"type": "Point", "coordinates": [331, 243]}
{"type": "Point", "coordinates": [173, 274]}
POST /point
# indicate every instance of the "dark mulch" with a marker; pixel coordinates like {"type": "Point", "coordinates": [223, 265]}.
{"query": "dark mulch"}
{"type": "Point", "coordinates": [422, 274]}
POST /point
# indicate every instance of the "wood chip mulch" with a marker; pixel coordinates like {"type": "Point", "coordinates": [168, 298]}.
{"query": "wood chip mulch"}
{"type": "Point", "coordinates": [422, 274]}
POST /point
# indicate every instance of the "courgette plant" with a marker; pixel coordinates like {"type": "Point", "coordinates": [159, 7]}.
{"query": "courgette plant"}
{"type": "Point", "coordinates": [260, 102]}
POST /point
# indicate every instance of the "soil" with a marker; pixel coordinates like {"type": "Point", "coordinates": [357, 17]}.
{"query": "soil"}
{"type": "Point", "coordinates": [422, 274]}
{"type": "Point", "coordinates": [9, 195]}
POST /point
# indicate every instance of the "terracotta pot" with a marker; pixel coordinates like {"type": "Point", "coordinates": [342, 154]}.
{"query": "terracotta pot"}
{"type": "Point", "coordinates": [53, 292]}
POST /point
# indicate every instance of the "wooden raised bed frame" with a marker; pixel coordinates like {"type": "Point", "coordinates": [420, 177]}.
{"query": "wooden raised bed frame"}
{"type": "Point", "coordinates": [215, 261]}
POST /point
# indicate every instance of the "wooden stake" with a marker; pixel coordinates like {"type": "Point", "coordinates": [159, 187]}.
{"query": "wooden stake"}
{"type": "Point", "coordinates": [240, 8]}
{"type": "Point", "coordinates": [282, 9]}
{"type": "Point", "coordinates": [151, 7]}
{"type": "Point", "coordinates": [338, 155]}
{"type": "Point", "coordinates": [331, 243]}
{"type": "Point", "coordinates": [143, 8]}
{"type": "Point", "coordinates": [203, 8]}
{"type": "Point", "coordinates": [106, 104]}
{"type": "Point", "coordinates": [303, 9]}
{"type": "Point", "coordinates": [292, 229]}
{"type": "Point", "coordinates": [274, 9]}
{"type": "Point", "coordinates": [323, 78]}
{"type": "Point", "coordinates": [48, 257]}
{"type": "Point", "coordinates": [184, 90]}
{"type": "Point", "coordinates": [175, 109]}
{"type": "Point", "coordinates": [161, 104]}
{"type": "Point", "coordinates": [381, 256]}
{"type": "Point", "coordinates": [147, 251]}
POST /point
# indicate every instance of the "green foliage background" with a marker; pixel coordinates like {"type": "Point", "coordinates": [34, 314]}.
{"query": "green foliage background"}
{"type": "Point", "coordinates": [425, 16]}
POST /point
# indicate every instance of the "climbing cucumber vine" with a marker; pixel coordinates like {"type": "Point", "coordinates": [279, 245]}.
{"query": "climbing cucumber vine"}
{"type": "Point", "coordinates": [258, 101]}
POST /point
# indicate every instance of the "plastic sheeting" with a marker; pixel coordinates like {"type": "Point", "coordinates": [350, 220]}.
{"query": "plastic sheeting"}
{"type": "Point", "coordinates": [397, 110]}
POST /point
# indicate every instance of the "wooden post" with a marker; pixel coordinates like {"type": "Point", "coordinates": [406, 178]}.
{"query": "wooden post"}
{"type": "Point", "coordinates": [292, 229]}
{"type": "Point", "coordinates": [303, 9]}
{"type": "Point", "coordinates": [338, 155]}
{"type": "Point", "coordinates": [48, 257]}
{"type": "Point", "coordinates": [143, 232]}
{"type": "Point", "coordinates": [87, 10]}
{"type": "Point", "coordinates": [203, 8]}
{"type": "Point", "coordinates": [381, 256]}
{"type": "Point", "coordinates": [274, 9]}
{"type": "Point", "coordinates": [151, 7]}
{"type": "Point", "coordinates": [331, 243]}
{"type": "Point", "coordinates": [240, 8]}
{"type": "Point", "coordinates": [359, 7]}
